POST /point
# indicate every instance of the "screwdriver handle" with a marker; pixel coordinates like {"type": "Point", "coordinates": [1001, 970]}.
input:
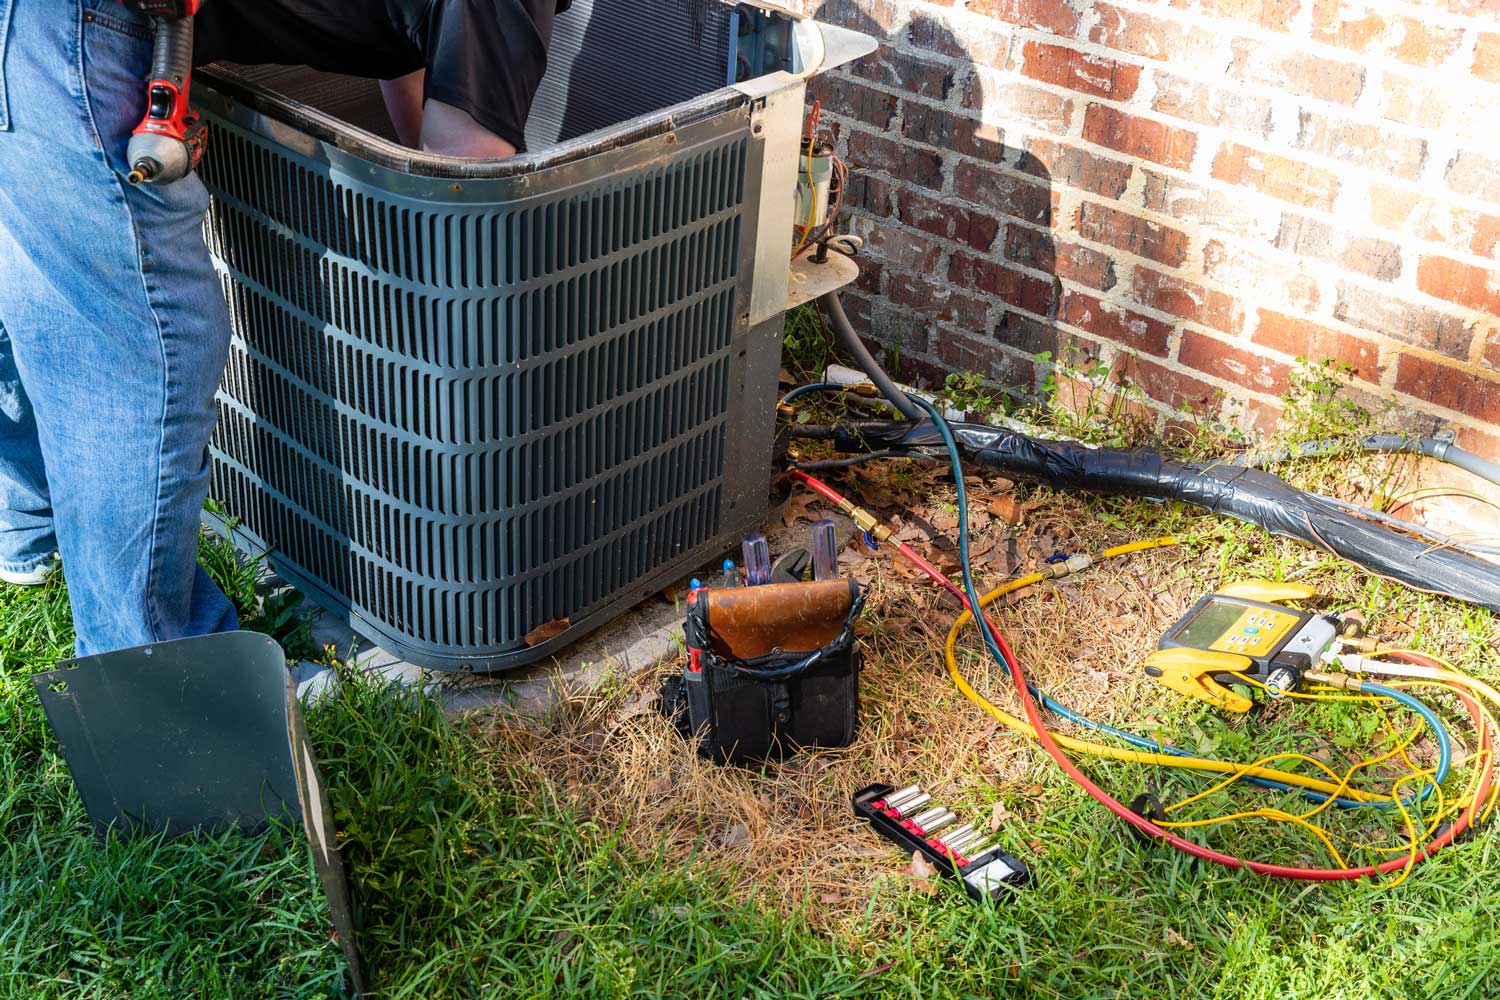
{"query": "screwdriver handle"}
{"type": "Point", "coordinates": [757, 559]}
{"type": "Point", "coordinates": [825, 550]}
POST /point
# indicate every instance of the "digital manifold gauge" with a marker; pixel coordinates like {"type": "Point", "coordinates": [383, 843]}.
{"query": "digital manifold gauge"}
{"type": "Point", "coordinates": [1242, 634]}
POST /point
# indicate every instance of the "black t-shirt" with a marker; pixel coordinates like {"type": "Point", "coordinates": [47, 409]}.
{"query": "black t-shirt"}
{"type": "Point", "coordinates": [485, 57]}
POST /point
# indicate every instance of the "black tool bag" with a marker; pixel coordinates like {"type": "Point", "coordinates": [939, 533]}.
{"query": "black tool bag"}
{"type": "Point", "coordinates": [771, 670]}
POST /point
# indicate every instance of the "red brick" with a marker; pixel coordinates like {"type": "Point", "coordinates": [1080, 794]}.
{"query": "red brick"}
{"type": "Point", "coordinates": [1024, 291]}
{"type": "Point", "coordinates": [1139, 236]}
{"type": "Point", "coordinates": [1262, 417]}
{"type": "Point", "coordinates": [1424, 43]}
{"type": "Point", "coordinates": [873, 152]}
{"type": "Point", "coordinates": [853, 99]}
{"type": "Point", "coordinates": [1115, 323]}
{"type": "Point", "coordinates": [1026, 334]}
{"type": "Point", "coordinates": [937, 302]}
{"type": "Point", "coordinates": [1405, 321]}
{"type": "Point", "coordinates": [1476, 175]}
{"type": "Point", "coordinates": [1486, 236]}
{"type": "Point", "coordinates": [1273, 14]}
{"type": "Point", "coordinates": [1142, 137]}
{"type": "Point", "coordinates": [1040, 249]}
{"type": "Point", "coordinates": [1230, 213]}
{"type": "Point", "coordinates": [1004, 192]}
{"type": "Point", "coordinates": [1172, 386]}
{"type": "Point", "coordinates": [1172, 295]}
{"type": "Point", "coordinates": [1373, 146]}
{"type": "Point", "coordinates": [960, 352]}
{"type": "Point", "coordinates": [1297, 73]}
{"type": "Point", "coordinates": [1448, 386]}
{"type": "Point", "coordinates": [1090, 74]}
{"type": "Point", "coordinates": [1054, 16]}
{"type": "Point", "coordinates": [1434, 220]}
{"type": "Point", "coordinates": [869, 192]}
{"type": "Point", "coordinates": [1232, 363]}
{"type": "Point", "coordinates": [1152, 37]}
{"type": "Point", "coordinates": [1491, 358]}
{"type": "Point", "coordinates": [1427, 102]}
{"type": "Point", "coordinates": [1067, 164]}
{"type": "Point", "coordinates": [1489, 7]}
{"type": "Point", "coordinates": [949, 221]}
{"type": "Point", "coordinates": [906, 71]}
{"type": "Point", "coordinates": [1302, 338]}
{"type": "Point", "coordinates": [1487, 57]}
{"type": "Point", "coordinates": [873, 17]}
{"type": "Point", "coordinates": [900, 247]}
{"type": "Point", "coordinates": [1001, 98]}
{"type": "Point", "coordinates": [1361, 254]}
{"type": "Point", "coordinates": [1283, 283]}
{"type": "Point", "coordinates": [1460, 283]}
{"type": "Point", "coordinates": [983, 46]}
{"type": "Point", "coordinates": [1208, 105]}
{"type": "Point", "coordinates": [1371, 31]}
{"type": "Point", "coordinates": [935, 126]}
{"type": "Point", "coordinates": [1277, 176]}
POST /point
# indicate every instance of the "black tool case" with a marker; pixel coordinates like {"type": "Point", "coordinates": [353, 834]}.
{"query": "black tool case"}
{"type": "Point", "coordinates": [798, 689]}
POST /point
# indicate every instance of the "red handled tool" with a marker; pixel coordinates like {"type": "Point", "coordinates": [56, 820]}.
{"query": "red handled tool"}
{"type": "Point", "coordinates": [169, 141]}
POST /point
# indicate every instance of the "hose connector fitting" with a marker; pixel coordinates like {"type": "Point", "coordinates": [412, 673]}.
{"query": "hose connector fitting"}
{"type": "Point", "coordinates": [868, 522]}
{"type": "Point", "coordinates": [1339, 682]}
{"type": "Point", "coordinates": [1076, 563]}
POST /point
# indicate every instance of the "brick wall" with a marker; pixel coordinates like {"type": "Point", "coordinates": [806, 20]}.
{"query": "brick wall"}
{"type": "Point", "coordinates": [1196, 192]}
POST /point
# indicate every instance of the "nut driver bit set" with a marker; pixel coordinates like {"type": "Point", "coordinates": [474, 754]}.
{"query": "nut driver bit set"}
{"type": "Point", "coordinates": [966, 851]}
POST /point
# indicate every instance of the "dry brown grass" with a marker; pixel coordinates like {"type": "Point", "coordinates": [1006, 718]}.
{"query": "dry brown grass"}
{"type": "Point", "coordinates": [785, 832]}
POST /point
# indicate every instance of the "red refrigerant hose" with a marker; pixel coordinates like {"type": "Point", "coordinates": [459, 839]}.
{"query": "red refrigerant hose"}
{"type": "Point", "coordinates": [1033, 715]}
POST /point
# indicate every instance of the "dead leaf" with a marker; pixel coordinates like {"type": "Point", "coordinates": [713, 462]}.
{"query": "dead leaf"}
{"type": "Point", "coordinates": [1032, 791]}
{"type": "Point", "coordinates": [737, 834]}
{"type": "Point", "coordinates": [1174, 938]}
{"type": "Point", "coordinates": [922, 873]}
{"type": "Point", "coordinates": [998, 815]}
{"type": "Point", "coordinates": [546, 633]}
{"type": "Point", "coordinates": [796, 508]}
{"type": "Point", "coordinates": [1006, 509]}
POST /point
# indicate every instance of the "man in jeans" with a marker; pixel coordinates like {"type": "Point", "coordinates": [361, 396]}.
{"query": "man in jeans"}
{"type": "Point", "coordinates": [113, 328]}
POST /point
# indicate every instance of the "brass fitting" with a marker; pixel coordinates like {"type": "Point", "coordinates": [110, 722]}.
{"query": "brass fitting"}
{"type": "Point", "coordinates": [1339, 682]}
{"type": "Point", "coordinates": [1076, 563]}
{"type": "Point", "coordinates": [1360, 644]}
{"type": "Point", "coordinates": [869, 522]}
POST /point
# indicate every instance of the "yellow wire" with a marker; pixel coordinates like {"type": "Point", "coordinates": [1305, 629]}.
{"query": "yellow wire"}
{"type": "Point", "coordinates": [1119, 753]}
{"type": "Point", "coordinates": [1275, 815]}
{"type": "Point", "coordinates": [1451, 674]}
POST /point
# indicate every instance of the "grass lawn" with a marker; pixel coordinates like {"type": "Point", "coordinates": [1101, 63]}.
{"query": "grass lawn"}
{"type": "Point", "coordinates": [588, 854]}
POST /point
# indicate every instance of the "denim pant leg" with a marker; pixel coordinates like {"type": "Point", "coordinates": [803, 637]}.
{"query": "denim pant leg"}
{"type": "Point", "coordinates": [118, 324]}
{"type": "Point", "coordinates": [26, 539]}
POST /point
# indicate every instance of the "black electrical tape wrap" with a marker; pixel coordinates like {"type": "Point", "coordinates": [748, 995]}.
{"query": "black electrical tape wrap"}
{"type": "Point", "coordinates": [1247, 494]}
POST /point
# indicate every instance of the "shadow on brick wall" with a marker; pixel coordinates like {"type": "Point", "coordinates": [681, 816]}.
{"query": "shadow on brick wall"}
{"type": "Point", "coordinates": [960, 268]}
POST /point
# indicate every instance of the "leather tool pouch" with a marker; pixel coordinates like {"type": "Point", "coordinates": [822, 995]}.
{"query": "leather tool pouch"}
{"type": "Point", "coordinates": [771, 670]}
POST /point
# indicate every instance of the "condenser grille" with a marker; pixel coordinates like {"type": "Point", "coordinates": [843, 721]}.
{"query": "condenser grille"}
{"type": "Point", "coordinates": [462, 420]}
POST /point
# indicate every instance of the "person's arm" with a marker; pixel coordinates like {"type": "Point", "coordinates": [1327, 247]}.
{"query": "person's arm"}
{"type": "Point", "coordinates": [403, 102]}
{"type": "Point", "coordinates": [435, 127]}
{"type": "Point", "coordinates": [453, 132]}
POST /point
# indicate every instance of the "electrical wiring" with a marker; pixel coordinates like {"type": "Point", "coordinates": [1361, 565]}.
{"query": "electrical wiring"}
{"type": "Point", "coordinates": [999, 648]}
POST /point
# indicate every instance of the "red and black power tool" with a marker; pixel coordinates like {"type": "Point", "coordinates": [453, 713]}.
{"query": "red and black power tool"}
{"type": "Point", "coordinates": [169, 141]}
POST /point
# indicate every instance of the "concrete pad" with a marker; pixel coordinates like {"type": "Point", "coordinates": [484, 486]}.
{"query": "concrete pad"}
{"type": "Point", "coordinates": [637, 641]}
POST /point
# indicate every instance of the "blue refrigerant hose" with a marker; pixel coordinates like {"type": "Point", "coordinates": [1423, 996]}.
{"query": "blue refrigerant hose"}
{"type": "Point", "coordinates": [1439, 731]}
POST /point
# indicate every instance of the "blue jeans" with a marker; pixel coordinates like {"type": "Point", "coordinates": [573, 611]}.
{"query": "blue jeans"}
{"type": "Point", "coordinates": [113, 334]}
